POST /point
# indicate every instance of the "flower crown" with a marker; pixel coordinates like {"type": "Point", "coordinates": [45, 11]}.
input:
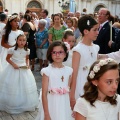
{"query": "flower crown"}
{"type": "Point", "coordinates": [67, 45]}
{"type": "Point", "coordinates": [12, 17]}
{"type": "Point", "coordinates": [97, 67]}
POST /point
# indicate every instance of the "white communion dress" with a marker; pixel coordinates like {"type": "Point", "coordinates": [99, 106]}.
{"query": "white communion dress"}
{"type": "Point", "coordinates": [100, 111]}
{"type": "Point", "coordinates": [18, 91]}
{"type": "Point", "coordinates": [2, 25]}
{"type": "Point", "coordinates": [58, 93]}
{"type": "Point", "coordinates": [88, 55]}
{"type": "Point", "coordinates": [68, 62]}
{"type": "Point", "coordinates": [11, 41]}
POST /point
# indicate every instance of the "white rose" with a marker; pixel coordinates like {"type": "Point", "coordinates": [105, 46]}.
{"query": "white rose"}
{"type": "Point", "coordinates": [96, 68]}
{"type": "Point", "coordinates": [110, 60]}
{"type": "Point", "coordinates": [92, 74]}
{"type": "Point", "coordinates": [101, 62]}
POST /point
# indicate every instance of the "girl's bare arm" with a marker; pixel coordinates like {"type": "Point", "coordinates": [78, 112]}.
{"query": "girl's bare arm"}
{"type": "Point", "coordinates": [11, 62]}
{"type": "Point", "coordinates": [75, 66]}
{"type": "Point", "coordinates": [45, 82]}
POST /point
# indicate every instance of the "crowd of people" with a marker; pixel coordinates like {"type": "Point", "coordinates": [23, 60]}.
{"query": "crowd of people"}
{"type": "Point", "coordinates": [78, 58]}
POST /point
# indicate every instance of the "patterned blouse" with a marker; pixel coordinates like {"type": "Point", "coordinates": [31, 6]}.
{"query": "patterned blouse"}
{"type": "Point", "coordinates": [57, 34]}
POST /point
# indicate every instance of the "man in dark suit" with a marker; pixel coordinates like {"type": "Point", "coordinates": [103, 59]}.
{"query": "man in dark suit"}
{"type": "Point", "coordinates": [115, 45]}
{"type": "Point", "coordinates": [104, 32]}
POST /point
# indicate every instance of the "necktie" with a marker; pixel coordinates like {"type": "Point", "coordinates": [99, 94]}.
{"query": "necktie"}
{"type": "Point", "coordinates": [100, 27]}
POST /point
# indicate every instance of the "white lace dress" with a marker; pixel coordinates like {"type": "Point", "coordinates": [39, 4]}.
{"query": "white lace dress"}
{"type": "Point", "coordinates": [11, 41]}
{"type": "Point", "coordinates": [88, 57]}
{"type": "Point", "coordinates": [58, 102]}
{"type": "Point", "coordinates": [18, 91]}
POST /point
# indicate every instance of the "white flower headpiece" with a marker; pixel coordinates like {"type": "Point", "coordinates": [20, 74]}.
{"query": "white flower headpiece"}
{"type": "Point", "coordinates": [88, 22]}
{"type": "Point", "coordinates": [97, 67]}
{"type": "Point", "coordinates": [67, 45]}
{"type": "Point", "coordinates": [12, 17]}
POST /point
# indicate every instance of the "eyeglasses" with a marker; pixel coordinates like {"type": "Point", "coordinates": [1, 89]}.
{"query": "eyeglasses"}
{"type": "Point", "coordinates": [57, 53]}
{"type": "Point", "coordinates": [101, 14]}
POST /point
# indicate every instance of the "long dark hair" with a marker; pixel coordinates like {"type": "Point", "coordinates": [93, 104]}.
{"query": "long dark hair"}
{"type": "Point", "coordinates": [16, 45]}
{"type": "Point", "coordinates": [91, 91]}
{"type": "Point", "coordinates": [8, 29]}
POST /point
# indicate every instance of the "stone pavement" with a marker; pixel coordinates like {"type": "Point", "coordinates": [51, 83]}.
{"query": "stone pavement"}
{"type": "Point", "coordinates": [38, 77]}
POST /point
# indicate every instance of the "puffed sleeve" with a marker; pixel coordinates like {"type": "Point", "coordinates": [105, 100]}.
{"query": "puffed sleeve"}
{"type": "Point", "coordinates": [10, 50]}
{"type": "Point", "coordinates": [51, 30]}
{"type": "Point", "coordinates": [70, 70]}
{"type": "Point", "coordinates": [21, 32]}
{"type": "Point", "coordinates": [118, 102]}
{"type": "Point", "coordinates": [77, 48]}
{"type": "Point", "coordinates": [80, 107]}
{"type": "Point", "coordinates": [28, 51]}
{"type": "Point", "coordinates": [97, 48]}
{"type": "Point", "coordinates": [45, 71]}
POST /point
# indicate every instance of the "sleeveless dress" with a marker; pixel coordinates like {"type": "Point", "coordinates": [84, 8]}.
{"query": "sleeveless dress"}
{"type": "Point", "coordinates": [11, 41]}
{"type": "Point", "coordinates": [88, 57]}
{"type": "Point", "coordinates": [18, 91]}
{"type": "Point", "coordinates": [58, 102]}
{"type": "Point", "coordinates": [30, 39]}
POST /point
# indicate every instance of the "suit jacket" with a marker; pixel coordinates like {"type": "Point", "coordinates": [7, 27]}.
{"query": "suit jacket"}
{"type": "Point", "coordinates": [103, 39]}
{"type": "Point", "coordinates": [115, 46]}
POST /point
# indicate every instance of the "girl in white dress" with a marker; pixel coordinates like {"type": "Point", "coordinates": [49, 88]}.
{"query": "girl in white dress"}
{"type": "Point", "coordinates": [55, 104]}
{"type": "Point", "coordinates": [84, 54]}
{"type": "Point", "coordinates": [3, 21]}
{"type": "Point", "coordinates": [9, 38]}
{"type": "Point", "coordinates": [18, 91]}
{"type": "Point", "coordinates": [100, 101]}
{"type": "Point", "coordinates": [69, 38]}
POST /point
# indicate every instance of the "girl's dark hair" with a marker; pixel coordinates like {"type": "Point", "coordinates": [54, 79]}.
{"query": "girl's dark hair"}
{"type": "Point", "coordinates": [86, 22]}
{"type": "Point", "coordinates": [50, 49]}
{"type": "Point", "coordinates": [46, 11]}
{"type": "Point", "coordinates": [16, 45]}
{"type": "Point", "coordinates": [27, 17]}
{"type": "Point", "coordinates": [55, 16]}
{"type": "Point", "coordinates": [8, 29]}
{"type": "Point", "coordinates": [68, 33]}
{"type": "Point", "coordinates": [91, 91]}
{"type": "Point", "coordinates": [3, 17]}
{"type": "Point", "coordinates": [28, 11]}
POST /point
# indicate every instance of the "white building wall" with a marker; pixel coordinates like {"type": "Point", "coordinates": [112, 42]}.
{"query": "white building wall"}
{"type": "Point", "coordinates": [90, 5]}
{"type": "Point", "coordinates": [53, 6]}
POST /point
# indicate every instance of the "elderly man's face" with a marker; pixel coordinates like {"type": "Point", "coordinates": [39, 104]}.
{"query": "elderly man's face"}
{"type": "Point", "coordinates": [102, 16]}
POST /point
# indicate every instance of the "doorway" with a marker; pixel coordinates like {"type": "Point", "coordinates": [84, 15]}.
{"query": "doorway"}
{"type": "Point", "coordinates": [34, 6]}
